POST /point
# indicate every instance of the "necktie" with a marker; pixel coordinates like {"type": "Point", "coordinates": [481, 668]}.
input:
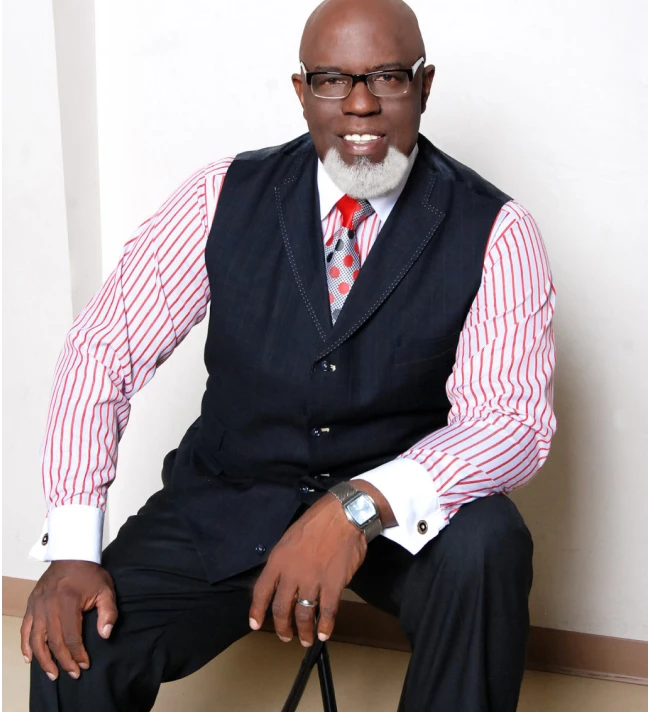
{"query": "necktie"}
{"type": "Point", "coordinates": [342, 254]}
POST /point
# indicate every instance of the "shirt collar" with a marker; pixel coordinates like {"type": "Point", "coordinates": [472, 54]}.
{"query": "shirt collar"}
{"type": "Point", "coordinates": [329, 193]}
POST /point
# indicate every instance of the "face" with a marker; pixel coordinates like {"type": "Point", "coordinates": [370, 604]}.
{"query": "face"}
{"type": "Point", "coordinates": [357, 45]}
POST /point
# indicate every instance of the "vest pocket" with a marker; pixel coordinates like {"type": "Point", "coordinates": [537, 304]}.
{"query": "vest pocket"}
{"type": "Point", "coordinates": [206, 448]}
{"type": "Point", "coordinates": [422, 351]}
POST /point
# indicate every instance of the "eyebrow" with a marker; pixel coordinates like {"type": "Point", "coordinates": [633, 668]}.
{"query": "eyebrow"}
{"type": "Point", "coordinates": [375, 68]}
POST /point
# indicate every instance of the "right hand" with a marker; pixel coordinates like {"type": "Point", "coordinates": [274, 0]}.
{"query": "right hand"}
{"type": "Point", "coordinates": [52, 622]}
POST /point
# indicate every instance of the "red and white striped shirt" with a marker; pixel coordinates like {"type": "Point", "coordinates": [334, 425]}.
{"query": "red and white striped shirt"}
{"type": "Point", "coordinates": [500, 423]}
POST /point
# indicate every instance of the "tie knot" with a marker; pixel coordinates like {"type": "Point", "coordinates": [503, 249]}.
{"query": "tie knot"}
{"type": "Point", "coordinates": [353, 211]}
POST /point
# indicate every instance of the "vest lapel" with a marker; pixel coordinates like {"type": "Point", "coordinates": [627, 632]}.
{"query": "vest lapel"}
{"type": "Point", "coordinates": [410, 227]}
{"type": "Point", "coordinates": [301, 229]}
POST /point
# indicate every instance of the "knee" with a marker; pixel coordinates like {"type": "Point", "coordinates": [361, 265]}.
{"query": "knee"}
{"type": "Point", "coordinates": [484, 554]}
{"type": "Point", "coordinates": [486, 543]}
{"type": "Point", "coordinates": [489, 542]}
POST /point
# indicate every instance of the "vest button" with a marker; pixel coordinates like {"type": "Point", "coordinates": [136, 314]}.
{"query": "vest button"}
{"type": "Point", "coordinates": [260, 549]}
{"type": "Point", "coordinates": [324, 366]}
{"type": "Point", "coordinates": [304, 490]}
{"type": "Point", "coordinates": [316, 432]}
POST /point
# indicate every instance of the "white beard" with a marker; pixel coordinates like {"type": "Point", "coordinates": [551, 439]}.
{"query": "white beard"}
{"type": "Point", "coordinates": [364, 179]}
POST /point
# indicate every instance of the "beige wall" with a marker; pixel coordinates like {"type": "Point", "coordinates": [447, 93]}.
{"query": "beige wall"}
{"type": "Point", "coordinates": [549, 101]}
{"type": "Point", "coordinates": [37, 302]}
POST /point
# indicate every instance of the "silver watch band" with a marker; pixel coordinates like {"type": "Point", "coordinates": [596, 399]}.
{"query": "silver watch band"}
{"type": "Point", "coordinates": [344, 492]}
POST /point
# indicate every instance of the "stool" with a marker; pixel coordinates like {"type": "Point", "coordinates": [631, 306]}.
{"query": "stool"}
{"type": "Point", "coordinates": [316, 654]}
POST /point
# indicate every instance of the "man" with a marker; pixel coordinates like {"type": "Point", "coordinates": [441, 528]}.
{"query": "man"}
{"type": "Point", "coordinates": [380, 326]}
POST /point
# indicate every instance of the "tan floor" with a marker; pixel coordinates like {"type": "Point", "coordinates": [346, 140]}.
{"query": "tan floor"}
{"type": "Point", "coordinates": [255, 674]}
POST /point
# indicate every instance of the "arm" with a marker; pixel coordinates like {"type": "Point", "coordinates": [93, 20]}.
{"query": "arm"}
{"type": "Point", "coordinates": [156, 294]}
{"type": "Point", "coordinates": [501, 420]}
{"type": "Point", "coordinates": [498, 433]}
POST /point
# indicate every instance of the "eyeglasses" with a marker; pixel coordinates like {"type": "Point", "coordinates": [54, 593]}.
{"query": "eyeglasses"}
{"type": "Point", "coordinates": [383, 83]}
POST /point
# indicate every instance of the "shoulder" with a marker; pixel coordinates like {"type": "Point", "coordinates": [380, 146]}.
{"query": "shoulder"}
{"type": "Point", "coordinates": [515, 231]}
{"type": "Point", "coordinates": [463, 177]}
{"type": "Point", "coordinates": [201, 186]}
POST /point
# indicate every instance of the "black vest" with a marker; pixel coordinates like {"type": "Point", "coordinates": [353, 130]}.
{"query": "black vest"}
{"type": "Point", "coordinates": [293, 403]}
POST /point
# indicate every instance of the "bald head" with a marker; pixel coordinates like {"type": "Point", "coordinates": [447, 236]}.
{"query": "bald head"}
{"type": "Point", "coordinates": [344, 18]}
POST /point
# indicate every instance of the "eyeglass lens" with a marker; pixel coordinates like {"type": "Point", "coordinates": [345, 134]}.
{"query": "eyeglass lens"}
{"type": "Point", "coordinates": [333, 86]}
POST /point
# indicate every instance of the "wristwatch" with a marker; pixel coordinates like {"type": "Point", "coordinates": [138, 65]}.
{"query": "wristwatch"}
{"type": "Point", "coordinates": [360, 509]}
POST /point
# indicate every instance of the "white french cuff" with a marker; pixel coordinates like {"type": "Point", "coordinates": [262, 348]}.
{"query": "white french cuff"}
{"type": "Point", "coordinates": [71, 532]}
{"type": "Point", "coordinates": [410, 491]}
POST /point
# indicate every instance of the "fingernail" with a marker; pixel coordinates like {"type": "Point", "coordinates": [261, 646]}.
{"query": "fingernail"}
{"type": "Point", "coordinates": [84, 666]}
{"type": "Point", "coordinates": [322, 636]}
{"type": "Point", "coordinates": [106, 630]}
{"type": "Point", "coordinates": [304, 643]}
{"type": "Point", "coordinates": [51, 676]}
{"type": "Point", "coordinates": [26, 659]}
{"type": "Point", "coordinates": [284, 640]}
{"type": "Point", "coordinates": [254, 625]}
{"type": "Point", "coordinates": [74, 675]}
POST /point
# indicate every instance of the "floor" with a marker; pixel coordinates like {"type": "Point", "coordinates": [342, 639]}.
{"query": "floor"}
{"type": "Point", "coordinates": [256, 673]}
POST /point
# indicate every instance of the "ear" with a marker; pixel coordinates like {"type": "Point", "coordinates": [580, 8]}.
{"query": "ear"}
{"type": "Point", "coordinates": [299, 83]}
{"type": "Point", "coordinates": [428, 78]}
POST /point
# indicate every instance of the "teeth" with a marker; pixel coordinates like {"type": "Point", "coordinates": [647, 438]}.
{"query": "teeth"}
{"type": "Point", "coordinates": [360, 139]}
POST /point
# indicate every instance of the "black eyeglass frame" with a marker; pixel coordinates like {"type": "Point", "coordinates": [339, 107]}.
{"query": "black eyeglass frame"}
{"type": "Point", "coordinates": [355, 78]}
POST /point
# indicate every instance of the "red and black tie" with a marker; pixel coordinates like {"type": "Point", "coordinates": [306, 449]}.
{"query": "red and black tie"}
{"type": "Point", "coordinates": [342, 253]}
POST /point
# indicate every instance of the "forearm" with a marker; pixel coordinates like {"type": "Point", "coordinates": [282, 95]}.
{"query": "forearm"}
{"type": "Point", "coordinates": [476, 458]}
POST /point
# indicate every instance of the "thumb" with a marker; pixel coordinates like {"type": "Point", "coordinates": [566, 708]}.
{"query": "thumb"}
{"type": "Point", "coordinates": [106, 612]}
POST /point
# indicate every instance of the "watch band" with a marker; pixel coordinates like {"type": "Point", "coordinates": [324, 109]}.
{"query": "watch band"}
{"type": "Point", "coordinates": [345, 492]}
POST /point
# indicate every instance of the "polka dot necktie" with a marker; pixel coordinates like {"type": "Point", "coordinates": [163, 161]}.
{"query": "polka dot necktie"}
{"type": "Point", "coordinates": [342, 253]}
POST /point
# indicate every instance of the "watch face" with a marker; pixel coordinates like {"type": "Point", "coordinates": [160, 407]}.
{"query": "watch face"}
{"type": "Point", "coordinates": [361, 509]}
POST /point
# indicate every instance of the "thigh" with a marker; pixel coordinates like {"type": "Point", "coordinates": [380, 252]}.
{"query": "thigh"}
{"type": "Point", "coordinates": [163, 597]}
{"type": "Point", "coordinates": [171, 621]}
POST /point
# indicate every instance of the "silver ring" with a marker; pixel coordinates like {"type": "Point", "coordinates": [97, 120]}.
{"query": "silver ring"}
{"type": "Point", "coordinates": [307, 603]}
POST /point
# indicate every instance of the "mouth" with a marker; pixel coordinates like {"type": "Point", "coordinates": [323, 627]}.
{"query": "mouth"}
{"type": "Point", "coordinates": [362, 144]}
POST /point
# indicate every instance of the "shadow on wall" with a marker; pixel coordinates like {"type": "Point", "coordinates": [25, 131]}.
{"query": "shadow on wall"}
{"type": "Point", "coordinates": [553, 506]}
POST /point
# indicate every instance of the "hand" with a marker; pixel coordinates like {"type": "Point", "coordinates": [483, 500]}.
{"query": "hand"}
{"type": "Point", "coordinates": [315, 559]}
{"type": "Point", "coordinates": [52, 622]}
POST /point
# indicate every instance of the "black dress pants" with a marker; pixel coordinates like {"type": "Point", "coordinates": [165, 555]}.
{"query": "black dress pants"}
{"type": "Point", "coordinates": [462, 601]}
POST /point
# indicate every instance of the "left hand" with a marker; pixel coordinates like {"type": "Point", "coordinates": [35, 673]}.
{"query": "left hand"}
{"type": "Point", "coordinates": [315, 559]}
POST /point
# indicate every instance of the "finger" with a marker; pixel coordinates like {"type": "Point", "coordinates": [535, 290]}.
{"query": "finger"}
{"type": "Point", "coordinates": [38, 643]}
{"type": "Point", "coordinates": [328, 608]}
{"type": "Point", "coordinates": [25, 632]}
{"type": "Point", "coordinates": [106, 612]}
{"type": "Point", "coordinates": [282, 609]}
{"type": "Point", "coordinates": [71, 618]}
{"type": "Point", "coordinates": [56, 643]}
{"type": "Point", "coordinates": [261, 597]}
{"type": "Point", "coordinates": [305, 616]}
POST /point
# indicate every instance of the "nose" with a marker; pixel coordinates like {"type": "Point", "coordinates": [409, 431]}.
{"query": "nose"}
{"type": "Point", "coordinates": [361, 101]}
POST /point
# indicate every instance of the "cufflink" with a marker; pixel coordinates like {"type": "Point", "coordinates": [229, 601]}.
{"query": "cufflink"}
{"type": "Point", "coordinates": [45, 539]}
{"type": "Point", "coordinates": [422, 527]}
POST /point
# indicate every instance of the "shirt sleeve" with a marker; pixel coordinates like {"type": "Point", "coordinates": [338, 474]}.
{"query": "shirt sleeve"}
{"type": "Point", "coordinates": [500, 390]}
{"type": "Point", "coordinates": [147, 306]}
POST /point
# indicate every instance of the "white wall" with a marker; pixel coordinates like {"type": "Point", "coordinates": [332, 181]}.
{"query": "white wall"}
{"type": "Point", "coordinates": [77, 82]}
{"type": "Point", "coordinates": [37, 301]}
{"type": "Point", "coordinates": [548, 100]}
